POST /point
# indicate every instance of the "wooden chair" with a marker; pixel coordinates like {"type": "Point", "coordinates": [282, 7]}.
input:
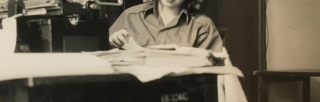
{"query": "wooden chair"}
{"type": "Point", "coordinates": [272, 76]}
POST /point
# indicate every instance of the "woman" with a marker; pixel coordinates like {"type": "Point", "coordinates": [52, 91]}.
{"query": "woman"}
{"type": "Point", "coordinates": [162, 22]}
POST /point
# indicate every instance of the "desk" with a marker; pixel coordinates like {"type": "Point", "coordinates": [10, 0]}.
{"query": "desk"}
{"type": "Point", "coordinates": [43, 67]}
{"type": "Point", "coordinates": [269, 76]}
{"type": "Point", "coordinates": [112, 88]}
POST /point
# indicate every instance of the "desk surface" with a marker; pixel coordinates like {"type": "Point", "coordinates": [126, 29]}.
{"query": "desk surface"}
{"type": "Point", "coordinates": [293, 72]}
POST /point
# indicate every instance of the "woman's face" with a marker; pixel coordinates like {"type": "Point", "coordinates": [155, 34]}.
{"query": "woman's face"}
{"type": "Point", "coordinates": [172, 3]}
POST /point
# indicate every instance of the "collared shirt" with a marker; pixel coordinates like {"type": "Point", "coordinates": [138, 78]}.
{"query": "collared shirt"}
{"type": "Point", "coordinates": [146, 27]}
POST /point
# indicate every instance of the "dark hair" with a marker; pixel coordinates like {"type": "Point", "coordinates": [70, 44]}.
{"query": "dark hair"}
{"type": "Point", "coordinates": [194, 7]}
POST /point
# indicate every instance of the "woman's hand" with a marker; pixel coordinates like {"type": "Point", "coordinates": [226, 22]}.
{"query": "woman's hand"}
{"type": "Point", "coordinates": [119, 38]}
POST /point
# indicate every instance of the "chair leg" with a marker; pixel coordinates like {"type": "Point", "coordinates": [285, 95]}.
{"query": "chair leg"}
{"type": "Point", "coordinates": [262, 89]}
{"type": "Point", "coordinates": [306, 89]}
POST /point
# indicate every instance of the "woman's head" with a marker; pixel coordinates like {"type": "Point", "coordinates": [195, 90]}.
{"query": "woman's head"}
{"type": "Point", "coordinates": [193, 6]}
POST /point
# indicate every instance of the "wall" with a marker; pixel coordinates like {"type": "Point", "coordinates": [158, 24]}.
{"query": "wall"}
{"type": "Point", "coordinates": [294, 43]}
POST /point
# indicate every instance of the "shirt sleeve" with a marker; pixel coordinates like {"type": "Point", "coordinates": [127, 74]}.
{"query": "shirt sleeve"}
{"type": "Point", "coordinates": [209, 38]}
{"type": "Point", "coordinates": [118, 24]}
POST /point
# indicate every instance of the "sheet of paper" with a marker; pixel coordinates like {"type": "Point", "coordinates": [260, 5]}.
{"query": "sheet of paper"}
{"type": "Point", "coordinates": [132, 45]}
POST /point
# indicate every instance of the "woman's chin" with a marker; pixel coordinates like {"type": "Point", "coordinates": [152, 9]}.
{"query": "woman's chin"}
{"type": "Point", "coordinates": [172, 3]}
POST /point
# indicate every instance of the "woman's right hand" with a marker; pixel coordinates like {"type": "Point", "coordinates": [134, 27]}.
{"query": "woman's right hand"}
{"type": "Point", "coordinates": [119, 38]}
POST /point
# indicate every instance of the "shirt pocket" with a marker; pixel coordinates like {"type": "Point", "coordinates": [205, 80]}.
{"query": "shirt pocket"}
{"type": "Point", "coordinates": [141, 40]}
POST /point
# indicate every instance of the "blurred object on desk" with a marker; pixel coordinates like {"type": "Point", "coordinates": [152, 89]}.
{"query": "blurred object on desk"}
{"type": "Point", "coordinates": [8, 35]}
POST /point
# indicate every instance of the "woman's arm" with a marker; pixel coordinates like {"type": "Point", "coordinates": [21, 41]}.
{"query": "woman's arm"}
{"type": "Point", "coordinates": [209, 38]}
{"type": "Point", "coordinates": [117, 32]}
{"type": "Point", "coordinates": [118, 24]}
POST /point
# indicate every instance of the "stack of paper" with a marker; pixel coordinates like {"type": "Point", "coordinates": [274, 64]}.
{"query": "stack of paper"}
{"type": "Point", "coordinates": [118, 57]}
{"type": "Point", "coordinates": [181, 56]}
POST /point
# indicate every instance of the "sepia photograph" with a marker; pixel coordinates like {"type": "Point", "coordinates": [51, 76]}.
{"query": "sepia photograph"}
{"type": "Point", "coordinates": [159, 50]}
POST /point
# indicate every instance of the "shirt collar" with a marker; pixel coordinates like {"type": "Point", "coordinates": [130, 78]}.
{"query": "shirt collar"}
{"type": "Point", "coordinates": [150, 8]}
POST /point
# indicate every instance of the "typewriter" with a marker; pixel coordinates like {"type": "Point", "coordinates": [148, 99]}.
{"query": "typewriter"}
{"type": "Point", "coordinates": [63, 26]}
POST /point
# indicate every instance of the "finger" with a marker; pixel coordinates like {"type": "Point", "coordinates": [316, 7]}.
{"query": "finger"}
{"type": "Point", "coordinates": [123, 31]}
{"type": "Point", "coordinates": [122, 38]}
{"type": "Point", "coordinates": [125, 34]}
{"type": "Point", "coordinates": [111, 41]}
{"type": "Point", "coordinates": [117, 42]}
{"type": "Point", "coordinates": [115, 39]}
